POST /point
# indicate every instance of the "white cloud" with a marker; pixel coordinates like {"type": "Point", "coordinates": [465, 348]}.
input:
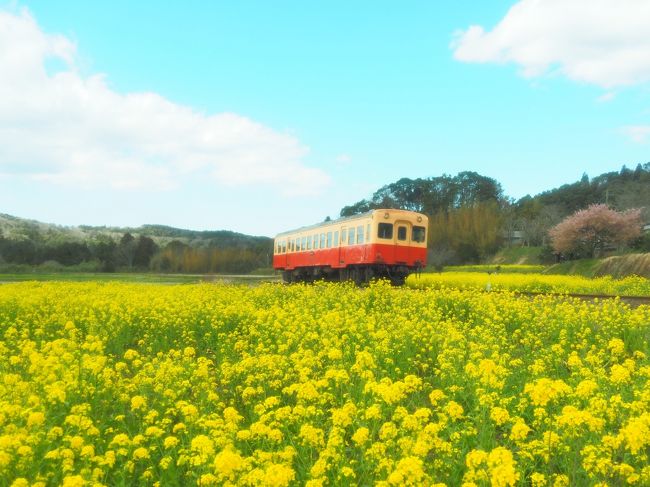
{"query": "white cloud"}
{"type": "Point", "coordinates": [637, 133]}
{"type": "Point", "coordinates": [606, 97]}
{"type": "Point", "coordinates": [67, 128]}
{"type": "Point", "coordinates": [601, 42]}
{"type": "Point", "coordinates": [343, 159]}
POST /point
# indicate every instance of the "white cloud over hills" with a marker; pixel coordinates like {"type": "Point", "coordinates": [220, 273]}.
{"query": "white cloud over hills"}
{"type": "Point", "coordinates": [637, 133]}
{"type": "Point", "coordinates": [600, 42]}
{"type": "Point", "coordinates": [62, 127]}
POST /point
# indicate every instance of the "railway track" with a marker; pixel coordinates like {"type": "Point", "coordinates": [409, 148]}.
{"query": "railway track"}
{"type": "Point", "coordinates": [631, 300]}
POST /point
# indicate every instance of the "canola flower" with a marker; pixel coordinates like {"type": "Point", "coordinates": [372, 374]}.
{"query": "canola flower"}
{"type": "Point", "coordinates": [509, 268]}
{"type": "Point", "coordinates": [124, 384]}
{"type": "Point", "coordinates": [532, 282]}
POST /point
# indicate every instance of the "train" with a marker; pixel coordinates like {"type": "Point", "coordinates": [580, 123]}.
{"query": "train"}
{"type": "Point", "coordinates": [382, 243]}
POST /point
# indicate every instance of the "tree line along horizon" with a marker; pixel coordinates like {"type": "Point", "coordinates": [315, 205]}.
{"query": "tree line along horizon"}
{"type": "Point", "coordinates": [470, 219]}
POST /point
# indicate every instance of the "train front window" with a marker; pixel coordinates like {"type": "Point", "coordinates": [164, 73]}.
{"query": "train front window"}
{"type": "Point", "coordinates": [419, 234]}
{"type": "Point", "coordinates": [401, 233]}
{"type": "Point", "coordinates": [385, 230]}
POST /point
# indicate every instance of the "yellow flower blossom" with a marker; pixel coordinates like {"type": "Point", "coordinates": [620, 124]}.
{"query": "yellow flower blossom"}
{"type": "Point", "coordinates": [499, 415]}
{"type": "Point", "coordinates": [138, 402]}
{"type": "Point", "coordinates": [361, 436]}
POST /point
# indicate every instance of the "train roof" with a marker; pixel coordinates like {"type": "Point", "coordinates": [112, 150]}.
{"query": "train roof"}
{"type": "Point", "coordinates": [342, 219]}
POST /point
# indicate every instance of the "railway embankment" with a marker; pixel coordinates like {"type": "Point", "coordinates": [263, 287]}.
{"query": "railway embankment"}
{"type": "Point", "coordinates": [617, 266]}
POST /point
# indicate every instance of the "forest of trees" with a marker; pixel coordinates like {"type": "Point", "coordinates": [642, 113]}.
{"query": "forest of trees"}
{"type": "Point", "coordinates": [470, 218]}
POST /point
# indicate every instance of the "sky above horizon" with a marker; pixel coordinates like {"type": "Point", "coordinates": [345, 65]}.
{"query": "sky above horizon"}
{"type": "Point", "coordinates": [259, 116]}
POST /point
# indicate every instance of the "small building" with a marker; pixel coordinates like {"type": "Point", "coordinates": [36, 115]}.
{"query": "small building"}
{"type": "Point", "coordinates": [513, 237]}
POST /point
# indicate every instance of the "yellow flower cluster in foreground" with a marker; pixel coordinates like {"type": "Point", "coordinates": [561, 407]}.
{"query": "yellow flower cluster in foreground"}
{"type": "Point", "coordinates": [533, 282]}
{"type": "Point", "coordinates": [122, 384]}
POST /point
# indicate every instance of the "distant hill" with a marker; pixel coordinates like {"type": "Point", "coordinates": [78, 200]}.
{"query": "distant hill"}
{"type": "Point", "coordinates": [12, 227]}
{"type": "Point", "coordinates": [156, 247]}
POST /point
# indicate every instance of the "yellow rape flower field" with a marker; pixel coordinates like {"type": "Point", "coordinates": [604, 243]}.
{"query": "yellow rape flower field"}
{"type": "Point", "coordinates": [125, 384]}
{"type": "Point", "coordinates": [533, 282]}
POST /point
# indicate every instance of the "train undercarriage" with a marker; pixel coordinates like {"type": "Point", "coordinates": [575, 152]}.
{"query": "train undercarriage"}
{"type": "Point", "coordinates": [359, 274]}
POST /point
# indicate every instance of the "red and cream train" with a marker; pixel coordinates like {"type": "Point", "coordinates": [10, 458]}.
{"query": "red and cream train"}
{"type": "Point", "coordinates": [379, 243]}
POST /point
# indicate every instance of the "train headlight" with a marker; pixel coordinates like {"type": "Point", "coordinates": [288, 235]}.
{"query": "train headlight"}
{"type": "Point", "coordinates": [419, 219]}
{"type": "Point", "coordinates": [386, 215]}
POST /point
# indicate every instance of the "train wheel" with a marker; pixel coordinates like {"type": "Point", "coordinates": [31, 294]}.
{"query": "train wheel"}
{"type": "Point", "coordinates": [357, 276]}
{"type": "Point", "coordinates": [398, 279]}
{"type": "Point", "coordinates": [286, 276]}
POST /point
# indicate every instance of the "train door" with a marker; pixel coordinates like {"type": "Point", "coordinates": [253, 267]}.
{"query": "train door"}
{"type": "Point", "coordinates": [402, 241]}
{"type": "Point", "coordinates": [384, 240]}
{"type": "Point", "coordinates": [343, 240]}
{"type": "Point", "coordinates": [290, 249]}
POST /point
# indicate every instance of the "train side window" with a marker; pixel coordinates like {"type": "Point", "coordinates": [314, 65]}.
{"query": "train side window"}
{"type": "Point", "coordinates": [401, 233]}
{"type": "Point", "coordinates": [322, 240]}
{"type": "Point", "coordinates": [419, 234]}
{"type": "Point", "coordinates": [329, 240]}
{"type": "Point", "coordinates": [385, 230]}
{"type": "Point", "coordinates": [368, 232]}
{"type": "Point", "coordinates": [360, 234]}
{"type": "Point", "coordinates": [284, 246]}
{"type": "Point", "coordinates": [351, 236]}
{"type": "Point", "coordinates": [336, 239]}
{"type": "Point", "coordinates": [309, 243]}
{"type": "Point", "coordinates": [344, 236]}
{"type": "Point", "coordinates": [303, 243]}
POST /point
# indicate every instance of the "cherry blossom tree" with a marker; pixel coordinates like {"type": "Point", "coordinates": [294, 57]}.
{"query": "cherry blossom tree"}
{"type": "Point", "coordinates": [590, 231]}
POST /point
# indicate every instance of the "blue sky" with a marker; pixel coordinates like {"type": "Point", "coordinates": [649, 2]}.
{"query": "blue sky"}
{"type": "Point", "coordinates": [263, 116]}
